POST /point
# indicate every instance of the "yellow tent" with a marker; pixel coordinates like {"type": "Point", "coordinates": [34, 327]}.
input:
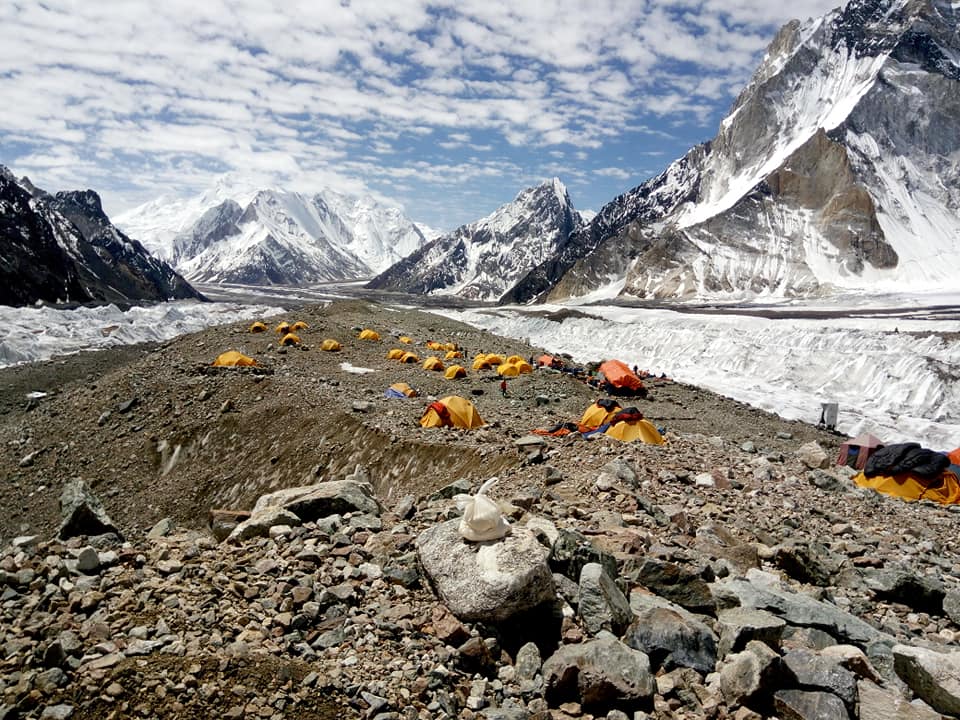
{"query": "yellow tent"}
{"type": "Point", "coordinates": [409, 357]}
{"type": "Point", "coordinates": [494, 359]}
{"type": "Point", "coordinates": [523, 366]}
{"type": "Point", "coordinates": [395, 354]}
{"type": "Point", "coordinates": [432, 345]}
{"type": "Point", "coordinates": [402, 387]}
{"type": "Point", "coordinates": [455, 371]}
{"type": "Point", "coordinates": [508, 370]}
{"type": "Point", "coordinates": [432, 363]}
{"type": "Point", "coordinates": [232, 358]}
{"type": "Point", "coordinates": [257, 327]}
{"type": "Point", "coordinates": [480, 363]}
{"type": "Point", "coordinates": [515, 360]}
{"type": "Point", "coordinates": [283, 328]}
{"type": "Point", "coordinates": [290, 339]}
{"type": "Point", "coordinates": [453, 354]}
{"type": "Point", "coordinates": [642, 430]}
{"type": "Point", "coordinates": [944, 489]}
{"type": "Point", "coordinates": [451, 411]}
{"type": "Point", "coordinates": [406, 340]}
{"type": "Point", "coordinates": [298, 325]}
{"type": "Point", "coordinates": [451, 346]}
{"type": "Point", "coordinates": [369, 335]}
{"type": "Point", "coordinates": [596, 415]}
{"type": "Point", "coordinates": [330, 345]}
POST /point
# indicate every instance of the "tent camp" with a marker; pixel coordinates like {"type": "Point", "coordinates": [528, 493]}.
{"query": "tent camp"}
{"type": "Point", "coordinates": [454, 372]}
{"type": "Point", "coordinates": [232, 358]}
{"type": "Point", "coordinates": [480, 363]}
{"type": "Point", "coordinates": [400, 390]}
{"type": "Point", "coordinates": [855, 453]}
{"type": "Point", "coordinates": [406, 340]}
{"type": "Point", "coordinates": [290, 339]}
{"type": "Point", "coordinates": [282, 328]}
{"type": "Point", "coordinates": [257, 327]}
{"type": "Point", "coordinates": [395, 354]}
{"type": "Point", "coordinates": [620, 378]}
{"type": "Point", "coordinates": [494, 359]}
{"type": "Point", "coordinates": [642, 430]}
{"type": "Point", "coordinates": [451, 411]}
{"type": "Point", "coordinates": [298, 326]}
{"type": "Point", "coordinates": [433, 363]}
{"type": "Point", "coordinates": [409, 357]}
{"type": "Point", "coordinates": [523, 366]}
{"type": "Point", "coordinates": [508, 370]}
{"type": "Point", "coordinates": [330, 345]}
{"type": "Point", "coordinates": [600, 413]}
{"type": "Point", "coordinates": [369, 335]}
{"type": "Point", "coordinates": [453, 354]}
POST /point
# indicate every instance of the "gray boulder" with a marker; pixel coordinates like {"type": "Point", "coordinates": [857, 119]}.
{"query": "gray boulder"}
{"type": "Point", "coordinates": [876, 703]}
{"type": "Point", "coordinates": [811, 671]}
{"type": "Point", "coordinates": [600, 674]}
{"type": "Point", "coordinates": [82, 513]}
{"type": "Point", "coordinates": [260, 522]}
{"type": "Point", "coordinates": [744, 676]}
{"type": "Point", "coordinates": [900, 585]}
{"type": "Point", "coordinates": [572, 550]}
{"type": "Point", "coordinates": [311, 502]}
{"type": "Point", "coordinates": [804, 705]}
{"type": "Point", "coordinates": [602, 605]}
{"type": "Point", "coordinates": [671, 636]}
{"type": "Point", "coordinates": [738, 626]}
{"type": "Point", "coordinates": [677, 584]}
{"type": "Point", "coordinates": [490, 581]}
{"type": "Point", "coordinates": [933, 677]}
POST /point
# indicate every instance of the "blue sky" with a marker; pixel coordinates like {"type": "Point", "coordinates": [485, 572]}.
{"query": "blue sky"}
{"type": "Point", "coordinates": [446, 108]}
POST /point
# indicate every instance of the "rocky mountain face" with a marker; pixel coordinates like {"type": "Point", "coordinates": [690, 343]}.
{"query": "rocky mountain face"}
{"type": "Point", "coordinates": [237, 234]}
{"type": "Point", "coordinates": [485, 259]}
{"type": "Point", "coordinates": [837, 168]}
{"type": "Point", "coordinates": [63, 247]}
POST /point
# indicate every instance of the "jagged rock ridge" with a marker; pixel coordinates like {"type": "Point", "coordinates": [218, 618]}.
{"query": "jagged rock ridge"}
{"type": "Point", "coordinates": [484, 259]}
{"type": "Point", "coordinates": [63, 248]}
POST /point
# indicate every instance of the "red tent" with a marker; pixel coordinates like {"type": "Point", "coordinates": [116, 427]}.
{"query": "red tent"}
{"type": "Point", "coordinates": [620, 376]}
{"type": "Point", "coordinates": [861, 447]}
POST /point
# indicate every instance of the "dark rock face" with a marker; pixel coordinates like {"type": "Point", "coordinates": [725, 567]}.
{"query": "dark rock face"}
{"type": "Point", "coordinates": [63, 247]}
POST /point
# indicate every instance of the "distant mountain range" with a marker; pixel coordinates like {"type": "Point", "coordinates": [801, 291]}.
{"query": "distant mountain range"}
{"type": "Point", "coordinates": [63, 248]}
{"type": "Point", "coordinates": [485, 259]}
{"type": "Point", "coordinates": [240, 234]}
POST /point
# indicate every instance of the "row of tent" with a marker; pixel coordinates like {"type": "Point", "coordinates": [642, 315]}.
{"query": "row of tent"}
{"type": "Point", "coordinates": [606, 416]}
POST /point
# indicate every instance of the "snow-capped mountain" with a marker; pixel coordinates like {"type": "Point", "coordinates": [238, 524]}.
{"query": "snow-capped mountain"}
{"type": "Point", "coordinates": [484, 259]}
{"type": "Point", "coordinates": [838, 168]}
{"type": "Point", "coordinates": [235, 232]}
{"type": "Point", "coordinates": [63, 248]}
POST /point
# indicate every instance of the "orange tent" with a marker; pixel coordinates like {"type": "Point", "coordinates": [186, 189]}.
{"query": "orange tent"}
{"type": "Point", "coordinates": [257, 327]}
{"type": "Point", "coordinates": [433, 345]}
{"type": "Point", "coordinates": [433, 363]}
{"type": "Point", "coordinates": [451, 411]}
{"type": "Point", "coordinates": [620, 376]}
{"type": "Point", "coordinates": [290, 339]}
{"type": "Point", "coordinates": [298, 325]}
{"type": "Point", "coordinates": [545, 360]}
{"type": "Point", "coordinates": [395, 354]}
{"type": "Point", "coordinates": [282, 328]}
{"type": "Point", "coordinates": [954, 456]}
{"type": "Point", "coordinates": [232, 358]}
{"type": "Point", "coordinates": [406, 340]}
{"type": "Point", "coordinates": [452, 354]}
{"type": "Point", "coordinates": [330, 345]}
{"type": "Point", "coordinates": [369, 334]}
{"type": "Point", "coordinates": [409, 358]}
{"type": "Point", "coordinates": [455, 371]}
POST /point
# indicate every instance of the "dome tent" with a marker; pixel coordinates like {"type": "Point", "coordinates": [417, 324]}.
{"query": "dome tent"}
{"type": "Point", "coordinates": [331, 345]}
{"type": "Point", "coordinates": [454, 372]}
{"type": "Point", "coordinates": [451, 411]}
{"type": "Point", "coordinates": [233, 358]}
{"type": "Point", "coordinates": [257, 327]}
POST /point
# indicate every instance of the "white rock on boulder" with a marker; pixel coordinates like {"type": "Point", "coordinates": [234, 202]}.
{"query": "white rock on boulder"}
{"type": "Point", "coordinates": [487, 581]}
{"type": "Point", "coordinates": [812, 455]}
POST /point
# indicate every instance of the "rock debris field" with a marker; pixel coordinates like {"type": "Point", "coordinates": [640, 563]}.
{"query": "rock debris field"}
{"type": "Point", "coordinates": [282, 541]}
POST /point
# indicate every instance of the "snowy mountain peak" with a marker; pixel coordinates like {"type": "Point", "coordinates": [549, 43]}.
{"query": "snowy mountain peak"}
{"type": "Point", "coordinates": [484, 259]}
{"type": "Point", "coordinates": [838, 168]}
{"type": "Point", "coordinates": [241, 232]}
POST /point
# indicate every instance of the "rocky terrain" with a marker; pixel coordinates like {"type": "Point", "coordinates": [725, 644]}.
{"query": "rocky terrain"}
{"type": "Point", "coordinates": [734, 572]}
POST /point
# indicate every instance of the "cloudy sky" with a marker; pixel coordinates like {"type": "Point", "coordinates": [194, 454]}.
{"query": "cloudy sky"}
{"type": "Point", "coordinates": [446, 108]}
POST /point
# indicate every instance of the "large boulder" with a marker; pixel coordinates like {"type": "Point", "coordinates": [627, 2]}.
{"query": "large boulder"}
{"type": "Point", "coordinates": [260, 522]}
{"type": "Point", "coordinates": [490, 581]}
{"type": "Point", "coordinates": [738, 626]}
{"type": "Point", "coordinates": [809, 705]}
{"type": "Point", "coordinates": [745, 676]}
{"type": "Point", "coordinates": [600, 674]}
{"type": "Point", "coordinates": [601, 604]}
{"type": "Point", "coordinates": [934, 677]}
{"type": "Point", "coordinates": [669, 635]}
{"type": "Point", "coordinates": [679, 585]}
{"type": "Point", "coordinates": [809, 670]}
{"type": "Point", "coordinates": [82, 513]}
{"type": "Point", "coordinates": [877, 703]}
{"type": "Point", "coordinates": [311, 502]}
